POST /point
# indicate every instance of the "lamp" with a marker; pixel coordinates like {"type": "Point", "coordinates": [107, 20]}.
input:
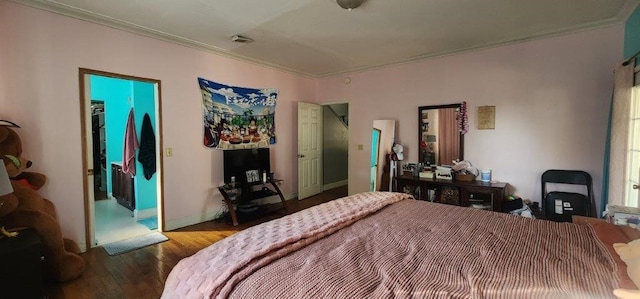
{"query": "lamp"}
{"type": "Point", "coordinates": [349, 4]}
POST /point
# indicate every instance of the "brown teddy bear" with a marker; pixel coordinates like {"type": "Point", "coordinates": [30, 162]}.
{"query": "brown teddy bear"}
{"type": "Point", "coordinates": [61, 259]}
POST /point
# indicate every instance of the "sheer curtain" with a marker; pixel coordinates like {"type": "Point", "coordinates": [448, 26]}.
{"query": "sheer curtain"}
{"type": "Point", "coordinates": [619, 136]}
{"type": "Point", "coordinates": [448, 143]}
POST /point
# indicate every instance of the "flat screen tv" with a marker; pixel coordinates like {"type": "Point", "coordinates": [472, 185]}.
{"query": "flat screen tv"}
{"type": "Point", "coordinates": [246, 165]}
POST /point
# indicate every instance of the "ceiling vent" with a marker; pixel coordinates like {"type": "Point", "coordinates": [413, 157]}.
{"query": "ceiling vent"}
{"type": "Point", "coordinates": [241, 39]}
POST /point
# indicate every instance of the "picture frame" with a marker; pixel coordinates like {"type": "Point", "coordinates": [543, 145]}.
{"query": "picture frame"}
{"type": "Point", "coordinates": [253, 176]}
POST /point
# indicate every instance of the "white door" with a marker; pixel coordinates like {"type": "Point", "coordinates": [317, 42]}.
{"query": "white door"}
{"type": "Point", "coordinates": [309, 149]}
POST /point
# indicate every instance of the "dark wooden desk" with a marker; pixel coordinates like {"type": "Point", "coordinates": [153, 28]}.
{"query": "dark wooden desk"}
{"type": "Point", "coordinates": [474, 193]}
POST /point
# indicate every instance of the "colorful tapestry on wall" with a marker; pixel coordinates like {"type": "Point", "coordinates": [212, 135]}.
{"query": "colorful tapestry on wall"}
{"type": "Point", "coordinates": [237, 117]}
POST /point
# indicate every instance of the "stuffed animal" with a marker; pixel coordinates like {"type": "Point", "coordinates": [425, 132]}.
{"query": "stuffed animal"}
{"type": "Point", "coordinates": [61, 259]}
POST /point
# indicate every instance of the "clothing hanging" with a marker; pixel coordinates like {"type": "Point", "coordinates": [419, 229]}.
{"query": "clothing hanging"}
{"type": "Point", "coordinates": [147, 154]}
{"type": "Point", "coordinates": [130, 146]}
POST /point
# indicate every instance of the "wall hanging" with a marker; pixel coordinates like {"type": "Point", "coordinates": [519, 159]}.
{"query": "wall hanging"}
{"type": "Point", "coordinates": [237, 117]}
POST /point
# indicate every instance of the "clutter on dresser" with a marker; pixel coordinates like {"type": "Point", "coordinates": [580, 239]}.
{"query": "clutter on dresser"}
{"type": "Point", "coordinates": [623, 215]}
{"type": "Point", "coordinates": [408, 168]}
{"type": "Point", "coordinates": [464, 171]}
{"type": "Point", "coordinates": [444, 173]}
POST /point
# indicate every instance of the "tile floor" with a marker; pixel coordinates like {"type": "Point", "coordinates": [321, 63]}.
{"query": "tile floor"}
{"type": "Point", "coordinates": [115, 222]}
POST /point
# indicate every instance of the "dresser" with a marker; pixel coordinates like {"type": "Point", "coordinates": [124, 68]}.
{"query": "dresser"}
{"type": "Point", "coordinates": [476, 194]}
{"type": "Point", "coordinates": [122, 187]}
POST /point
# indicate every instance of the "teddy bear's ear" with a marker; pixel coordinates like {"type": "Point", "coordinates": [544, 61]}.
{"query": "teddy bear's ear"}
{"type": "Point", "coordinates": [4, 133]}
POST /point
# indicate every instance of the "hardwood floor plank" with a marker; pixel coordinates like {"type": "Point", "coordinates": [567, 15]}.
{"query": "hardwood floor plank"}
{"type": "Point", "coordinates": [142, 273]}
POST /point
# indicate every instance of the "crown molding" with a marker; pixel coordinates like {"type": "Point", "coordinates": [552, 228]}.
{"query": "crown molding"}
{"type": "Point", "coordinates": [84, 15]}
{"type": "Point", "coordinates": [99, 19]}
{"type": "Point", "coordinates": [537, 36]}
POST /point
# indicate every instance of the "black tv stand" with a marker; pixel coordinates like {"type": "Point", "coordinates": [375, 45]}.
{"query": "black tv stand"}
{"type": "Point", "coordinates": [244, 194]}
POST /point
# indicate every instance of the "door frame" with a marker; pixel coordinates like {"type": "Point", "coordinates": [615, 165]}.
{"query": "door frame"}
{"type": "Point", "coordinates": [85, 102]}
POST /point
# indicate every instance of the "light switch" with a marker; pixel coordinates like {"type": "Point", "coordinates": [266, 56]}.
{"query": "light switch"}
{"type": "Point", "coordinates": [360, 147]}
{"type": "Point", "coordinates": [169, 151]}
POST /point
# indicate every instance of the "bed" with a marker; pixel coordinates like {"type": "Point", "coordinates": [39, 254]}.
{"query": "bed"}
{"type": "Point", "coordinates": [388, 245]}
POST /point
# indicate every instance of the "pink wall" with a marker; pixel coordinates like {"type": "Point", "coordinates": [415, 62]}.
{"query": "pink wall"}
{"type": "Point", "coordinates": [551, 95]}
{"type": "Point", "coordinates": [40, 54]}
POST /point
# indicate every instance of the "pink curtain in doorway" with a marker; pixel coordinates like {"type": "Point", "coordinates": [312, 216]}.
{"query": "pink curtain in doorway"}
{"type": "Point", "coordinates": [448, 141]}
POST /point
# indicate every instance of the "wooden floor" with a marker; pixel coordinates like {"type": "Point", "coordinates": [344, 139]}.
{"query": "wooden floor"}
{"type": "Point", "coordinates": [142, 273]}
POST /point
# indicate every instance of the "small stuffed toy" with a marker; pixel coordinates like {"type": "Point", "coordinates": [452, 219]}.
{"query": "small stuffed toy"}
{"type": "Point", "coordinates": [8, 203]}
{"type": "Point", "coordinates": [61, 259]}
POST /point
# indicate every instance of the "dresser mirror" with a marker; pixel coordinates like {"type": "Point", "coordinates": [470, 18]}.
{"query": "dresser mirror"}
{"type": "Point", "coordinates": [439, 138]}
{"type": "Point", "coordinates": [382, 137]}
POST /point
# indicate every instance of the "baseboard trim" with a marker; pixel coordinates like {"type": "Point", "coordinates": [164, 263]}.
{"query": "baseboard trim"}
{"type": "Point", "coordinates": [190, 220]}
{"type": "Point", "coordinates": [195, 219]}
{"type": "Point", "coordinates": [146, 213]}
{"type": "Point", "coordinates": [335, 185]}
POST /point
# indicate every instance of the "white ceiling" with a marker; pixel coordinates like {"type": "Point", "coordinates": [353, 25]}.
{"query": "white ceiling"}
{"type": "Point", "coordinates": [317, 38]}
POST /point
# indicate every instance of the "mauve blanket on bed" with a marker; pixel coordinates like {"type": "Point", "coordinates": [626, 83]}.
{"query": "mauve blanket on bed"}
{"type": "Point", "coordinates": [214, 271]}
{"type": "Point", "coordinates": [425, 250]}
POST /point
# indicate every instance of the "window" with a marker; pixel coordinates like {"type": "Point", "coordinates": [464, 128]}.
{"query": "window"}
{"type": "Point", "coordinates": [633, 153]}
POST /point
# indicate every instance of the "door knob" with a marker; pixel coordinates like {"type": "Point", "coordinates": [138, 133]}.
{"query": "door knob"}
{"type": "Point", "coordinates": [300, 156]}
{"type": "Point", "coordinates": [636, 187]}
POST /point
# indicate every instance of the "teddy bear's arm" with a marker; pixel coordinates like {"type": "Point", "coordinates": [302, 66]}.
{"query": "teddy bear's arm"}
{"type": "Point", "coordinates": [8, 203]}
{"type": "Point", "coordinates": [35, 179]}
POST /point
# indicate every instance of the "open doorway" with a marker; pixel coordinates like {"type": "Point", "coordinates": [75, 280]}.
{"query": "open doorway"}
{"type": "Point", "coordinates": [323, 146]}
{"type": "Point", "coordinates": [121, 126]}
{"type": "Point", "coordinates": [335, 144]}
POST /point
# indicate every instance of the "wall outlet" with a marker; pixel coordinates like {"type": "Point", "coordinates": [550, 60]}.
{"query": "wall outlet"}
{"type": "Point", "coordinates": [169, 151]}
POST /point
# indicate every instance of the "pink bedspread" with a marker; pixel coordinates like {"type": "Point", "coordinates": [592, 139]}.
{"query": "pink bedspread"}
{"type": "Point", "coordinates": [214, 271]}
{"type": "Point", "coordinates": [409, 249]}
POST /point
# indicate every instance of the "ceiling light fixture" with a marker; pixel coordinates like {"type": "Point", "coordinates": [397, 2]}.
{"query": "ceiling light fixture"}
{"type": "Point", "coordinates": [350, 4]}
{"type": "Point", "coordinates": [241, 39]}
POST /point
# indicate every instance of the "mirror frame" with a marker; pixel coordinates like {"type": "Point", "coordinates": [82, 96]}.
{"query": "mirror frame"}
{"type": "Point", "coordinates": [384, 174]}
{"type": "Point", "coordinates": [435, 107]}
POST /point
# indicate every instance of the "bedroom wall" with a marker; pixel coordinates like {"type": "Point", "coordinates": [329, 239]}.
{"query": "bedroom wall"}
{"type": "Point", "coordinates": [551, 95]}
{"type": "Point", "coordinates": [40, 53]}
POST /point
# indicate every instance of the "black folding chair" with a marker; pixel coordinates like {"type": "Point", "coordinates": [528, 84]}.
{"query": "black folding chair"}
{"type": "Point", "coordinates": [560, 206]}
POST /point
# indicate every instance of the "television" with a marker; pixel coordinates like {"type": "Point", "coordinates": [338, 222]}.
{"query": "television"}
{"type": "Point", "coordinates": [246, 165]}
